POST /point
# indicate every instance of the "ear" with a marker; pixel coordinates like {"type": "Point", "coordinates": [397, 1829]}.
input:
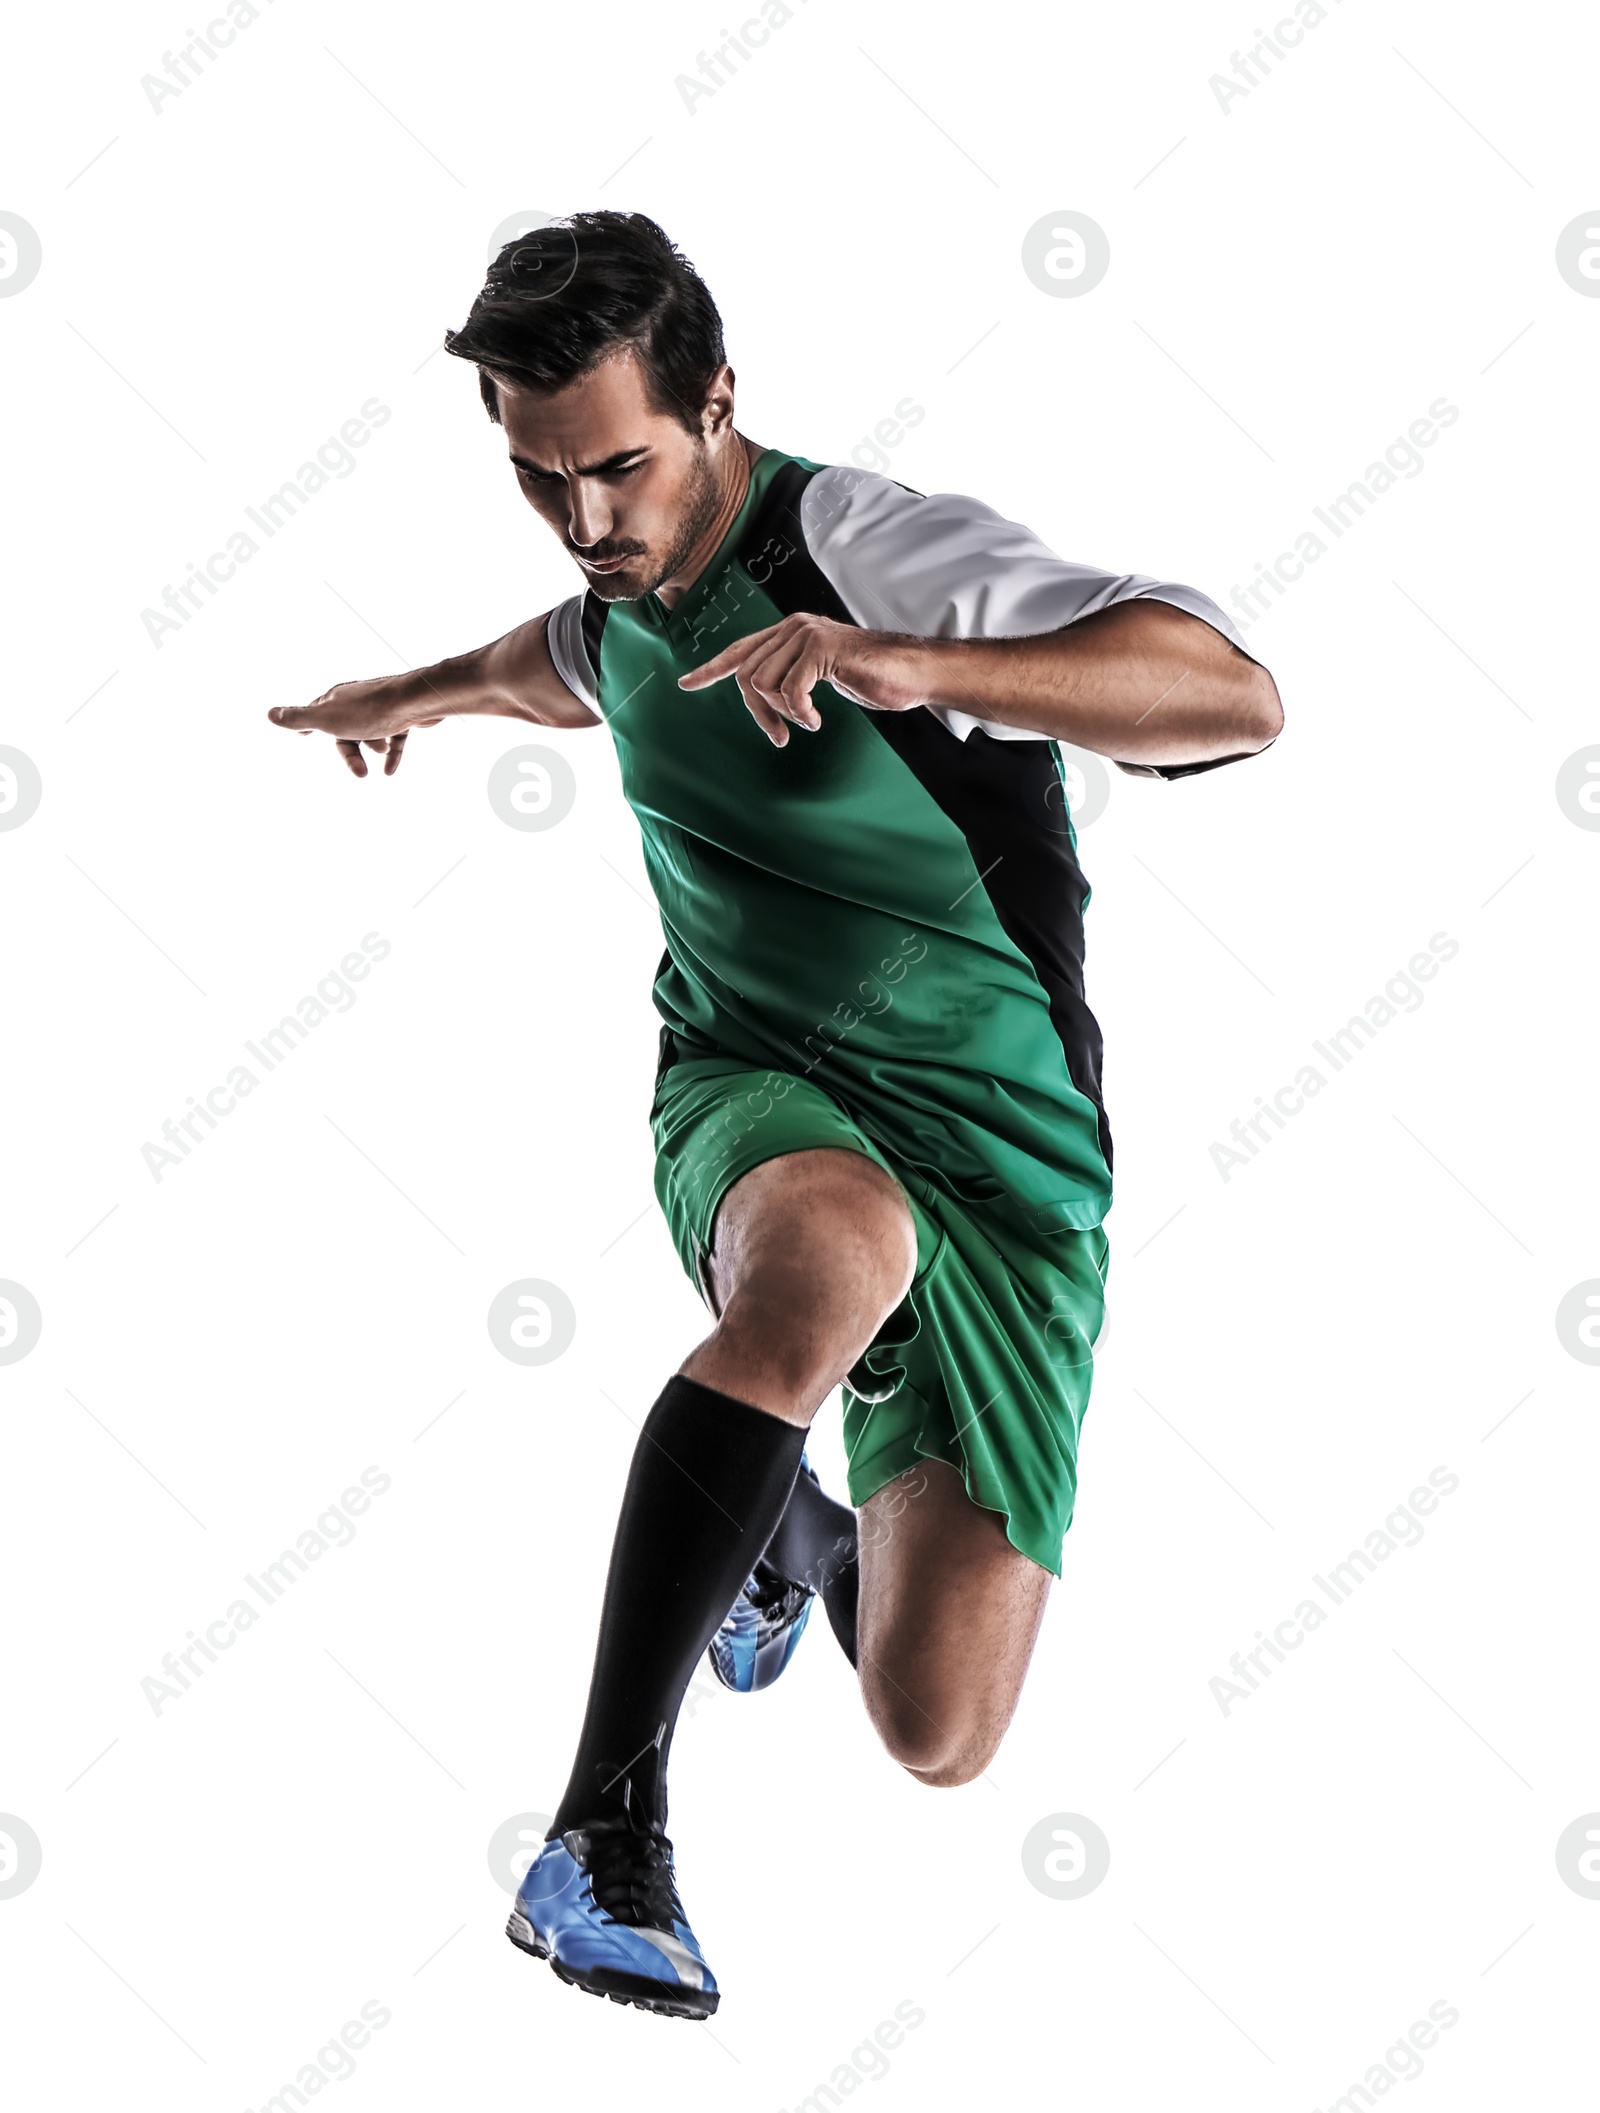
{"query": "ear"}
{"type": "Point", "coordinates": [717, 417]}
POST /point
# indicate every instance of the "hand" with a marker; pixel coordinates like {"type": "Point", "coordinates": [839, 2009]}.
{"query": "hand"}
{"type": "Point", "coordinates": [380, 713]}
{"type": "Point", "coordinates": [777, 668]}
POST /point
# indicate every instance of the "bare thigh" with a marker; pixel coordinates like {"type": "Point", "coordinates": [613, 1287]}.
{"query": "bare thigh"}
{"type": "Point", "coordinates": [811, 1253]}
{"type": "Point", "coordinates": [949, 1613]}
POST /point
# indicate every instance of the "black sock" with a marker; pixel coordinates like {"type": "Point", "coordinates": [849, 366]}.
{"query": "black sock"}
{"type": "Point", "coordinates": [815, 1544]}
{"type": "Point", "coordinates": [709, 1481]}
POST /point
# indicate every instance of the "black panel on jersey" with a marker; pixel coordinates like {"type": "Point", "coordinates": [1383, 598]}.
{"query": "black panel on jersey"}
{"type": "Point", "coordinates": [1006, 797]}
{"type": "Point", "coordinates": [595, 613]}
{"type": "Point", "coordinates": [773, 551]}
{"type": "Point", "coordinates": [1008, 801]}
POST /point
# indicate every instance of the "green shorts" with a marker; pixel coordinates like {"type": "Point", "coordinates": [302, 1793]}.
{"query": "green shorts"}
{"type": "Point", "coordinates": [987, 1361]}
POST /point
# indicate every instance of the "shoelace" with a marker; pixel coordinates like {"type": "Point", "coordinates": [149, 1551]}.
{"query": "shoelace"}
{"type": "Point", "coordinates": [776, 1598]}
{"type": "Point", "coordinates": [630, 1871]}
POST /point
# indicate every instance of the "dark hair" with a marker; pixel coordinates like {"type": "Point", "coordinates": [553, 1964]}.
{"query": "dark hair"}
{"type": "Point", "coordinates": [561, 298]}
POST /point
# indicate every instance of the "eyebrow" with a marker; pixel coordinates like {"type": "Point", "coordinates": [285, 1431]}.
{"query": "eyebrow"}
{"type": "Point", "coordinates": [587, 469]}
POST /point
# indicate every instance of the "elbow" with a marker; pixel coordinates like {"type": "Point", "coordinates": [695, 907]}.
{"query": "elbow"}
{"type": "Point", "coordinates": [1263, 709]}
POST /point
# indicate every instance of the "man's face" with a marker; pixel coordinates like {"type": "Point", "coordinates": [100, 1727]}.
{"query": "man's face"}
{"type": "Point", "coordinates": [629, 490]}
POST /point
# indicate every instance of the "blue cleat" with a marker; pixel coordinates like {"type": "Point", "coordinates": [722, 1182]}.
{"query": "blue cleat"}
{"type": "Point", "coordinates": [759, 1632]}
{"type": "Point", "coordinates": [600, 1903]}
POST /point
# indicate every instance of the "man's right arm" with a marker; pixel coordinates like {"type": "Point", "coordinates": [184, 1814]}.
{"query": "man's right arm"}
{"type": "Point", "coordinates": [512, 678]}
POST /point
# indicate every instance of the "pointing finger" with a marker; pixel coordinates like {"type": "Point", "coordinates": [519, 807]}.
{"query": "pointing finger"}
{"type": "Point", "coordinates": [727, 660]}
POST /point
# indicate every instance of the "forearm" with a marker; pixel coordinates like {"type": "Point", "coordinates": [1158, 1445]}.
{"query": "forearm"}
{"type": "Point", "coordinates": [1142, 682]}
{"type": "Point", "coordinates": [510, 678]}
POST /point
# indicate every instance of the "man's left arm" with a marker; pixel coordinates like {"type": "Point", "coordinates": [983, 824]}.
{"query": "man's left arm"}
{"type": "Point", "coordinates": [952, 606]}
{"type": "Point", "coordinates": [1141, 682]}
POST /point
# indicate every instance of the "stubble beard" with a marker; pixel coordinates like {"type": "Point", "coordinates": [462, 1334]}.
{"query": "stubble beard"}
{"type": "Point", "coordinates": [702, 501]}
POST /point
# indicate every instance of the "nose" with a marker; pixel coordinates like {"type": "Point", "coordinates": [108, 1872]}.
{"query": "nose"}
{"type": "Point", "coordinates": [588, 516]}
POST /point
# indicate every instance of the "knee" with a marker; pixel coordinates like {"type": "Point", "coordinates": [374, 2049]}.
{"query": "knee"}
{"type": "Point", "coordinates": [808, 1328]}
{"type": "Point", "coordinates": [899, 1265]}
{"type": "Point", "coordinates": [940, 1762]}
{"type": "Point", "coordinates": [941, 1754]}
{"type": "Point", "coordinates": [856, 1234]}
{"type": "Point", "coordinates": [775, 1343]}
{"type": "Point", "coordinates": [960, 1765]}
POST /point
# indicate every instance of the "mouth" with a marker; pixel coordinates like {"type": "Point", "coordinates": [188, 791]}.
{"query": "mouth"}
{"type": "Point", "coordinates": [601, 565]}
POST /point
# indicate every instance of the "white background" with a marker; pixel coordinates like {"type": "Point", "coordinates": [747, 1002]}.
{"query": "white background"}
{"type": "Point", "coordinates": [1371, 1297]}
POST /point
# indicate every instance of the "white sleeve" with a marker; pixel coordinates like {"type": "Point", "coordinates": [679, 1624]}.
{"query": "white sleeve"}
{"type": "Point", "coordinates": [564, 636]}
{"type": "Point", "coordinates": [945, 566]}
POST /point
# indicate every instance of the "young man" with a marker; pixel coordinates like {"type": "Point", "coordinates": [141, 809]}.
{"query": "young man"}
{"type": "Point", "coordinates": [880, 1141]}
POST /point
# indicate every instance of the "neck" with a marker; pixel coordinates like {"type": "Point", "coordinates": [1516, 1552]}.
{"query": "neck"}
{"type": "Point", "coordinates": [734, 476]}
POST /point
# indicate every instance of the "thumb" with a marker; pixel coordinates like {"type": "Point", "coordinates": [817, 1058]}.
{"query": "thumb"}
{"type": "Point", "coordinates": [290, 715]}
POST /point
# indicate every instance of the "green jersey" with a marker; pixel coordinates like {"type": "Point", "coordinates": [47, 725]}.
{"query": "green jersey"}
{"type": "Point", "coordinates": [892, 906]}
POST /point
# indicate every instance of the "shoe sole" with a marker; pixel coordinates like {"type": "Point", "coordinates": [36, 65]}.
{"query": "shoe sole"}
{"type": "Point", "coordinates": [611, 1981]}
